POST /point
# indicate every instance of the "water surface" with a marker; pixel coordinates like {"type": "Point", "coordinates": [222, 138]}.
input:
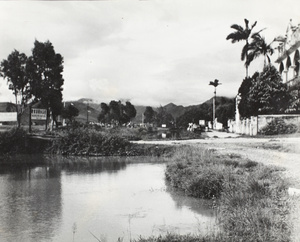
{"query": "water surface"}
{"type": "Point", "coordinates": [68, 199]}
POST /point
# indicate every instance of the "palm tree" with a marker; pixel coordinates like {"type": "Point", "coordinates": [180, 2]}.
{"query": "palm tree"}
{"type": "Point", "coordinates": [257, 47]}
{"type": "Point", "coordinates": [241, 34]}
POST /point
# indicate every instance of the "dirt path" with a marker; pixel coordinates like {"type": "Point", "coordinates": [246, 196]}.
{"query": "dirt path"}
{"type": "Point", "coordinates": [283, 152]}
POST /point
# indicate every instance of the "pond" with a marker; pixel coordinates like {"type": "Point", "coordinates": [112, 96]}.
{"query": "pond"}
{"type": "Point", "coordinates": [81, 199]}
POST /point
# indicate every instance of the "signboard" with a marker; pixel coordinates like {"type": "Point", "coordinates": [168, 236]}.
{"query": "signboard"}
{"type": "Point", "coordinates": [202, 122]}
{"type": "Point", "coordinates": [8, 117]}
{"type": "Point", "coordinates": [38, 114]}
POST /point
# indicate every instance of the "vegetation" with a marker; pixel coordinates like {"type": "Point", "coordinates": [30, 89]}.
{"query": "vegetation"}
{"type": "Point", "coordinates": [116, 112]}
{"type": "Point", "coordinates": [242, 34]}
{"type": "Point", "coordinates": [252, 202]}
{"type": "Point", "coordinates": [159, 117]}
{"type": "Point", "coordinates": [70, 112]}
{"type": "Point", "coordinates": [91, 142]}
{"type": "Point", "coordinates": [37, 78]}
{"type": "Point", "coordinates": [13, 141]}
{"type": "Point", "coordinates": [264, 93]}
{"type": "Point", "coordinates": [13, 69]}
{"type": "Point", "coordinates": [279, 126]}
{"type": "Point", "coordinates": [225, 109]}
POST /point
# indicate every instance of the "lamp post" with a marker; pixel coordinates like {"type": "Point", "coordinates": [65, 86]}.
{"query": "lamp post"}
{"type": "Point", "coordinates": [215, 83]}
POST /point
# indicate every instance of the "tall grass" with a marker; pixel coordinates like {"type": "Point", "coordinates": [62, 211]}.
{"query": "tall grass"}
{"type": "Point", "coordinates": [252, 200]}
{"type": "Point", "coordinates": [83, 141]}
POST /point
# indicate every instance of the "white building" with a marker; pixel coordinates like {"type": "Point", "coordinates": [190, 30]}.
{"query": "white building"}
{"type": "Point", "coordinates": [289, 61]}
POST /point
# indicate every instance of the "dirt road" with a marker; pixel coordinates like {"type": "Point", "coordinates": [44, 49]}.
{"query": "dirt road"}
{"type": "Point", "coordinates": [279, 151]}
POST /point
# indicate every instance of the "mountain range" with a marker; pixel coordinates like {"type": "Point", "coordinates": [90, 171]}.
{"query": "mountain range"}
{"type": "Point", "coordinates": [84, 105]}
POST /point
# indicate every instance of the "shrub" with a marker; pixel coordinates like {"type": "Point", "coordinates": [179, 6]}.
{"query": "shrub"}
{"type": "Point", "coordinates": [13, 141]}
{"type": "Point", "coordinates": [83, 141]}
{"type": "Point", "coordinates": [278, 126]}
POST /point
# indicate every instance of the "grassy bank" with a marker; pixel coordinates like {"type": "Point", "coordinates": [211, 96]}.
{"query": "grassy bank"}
{"type": "Point", "coordinates": [251, 200]}
{"type": "Point", "coordinates": [77, 142]}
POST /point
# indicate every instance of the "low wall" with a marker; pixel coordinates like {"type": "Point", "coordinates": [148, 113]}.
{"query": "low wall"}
{"type": "Point", "coordinates": [252, 126]}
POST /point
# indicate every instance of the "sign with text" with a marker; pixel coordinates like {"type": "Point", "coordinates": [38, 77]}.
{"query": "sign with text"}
{"type": "Point", "coordinates": [39, 114]}
{"type": "Point", "coordinates": [8, 116]}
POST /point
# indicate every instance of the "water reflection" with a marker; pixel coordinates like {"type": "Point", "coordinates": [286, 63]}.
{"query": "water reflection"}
{"type": "Point", "coordinates": [30, 204]}
{"type": "Point", "coordinates": [109, 196]}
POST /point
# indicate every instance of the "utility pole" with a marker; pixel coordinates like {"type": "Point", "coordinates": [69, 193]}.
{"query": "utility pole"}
{"type": "Point", "coordinates": [215, 83]}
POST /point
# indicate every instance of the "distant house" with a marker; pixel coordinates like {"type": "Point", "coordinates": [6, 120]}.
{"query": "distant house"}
{"type": "Point", "coordinates": [7, 107]}
{"type": "Point", "coordinates": [289, 61]}
{"type": "Point", "coordinates": [8, 113]}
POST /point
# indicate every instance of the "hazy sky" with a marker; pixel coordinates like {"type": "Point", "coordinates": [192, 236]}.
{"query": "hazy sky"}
{"type": "Point", "coordinates": [148, 52]}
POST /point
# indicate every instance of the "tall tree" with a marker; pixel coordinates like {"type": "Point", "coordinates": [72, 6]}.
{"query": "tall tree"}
{"type": "Point", "coordinates": [149, 115]}
{"type": "Point", "coordinates": [13, 69]}
{"type": "Point", "coordinates": [103, 116]}
{"type": "Point", "coordinates": [163, 117]}
{"type": "Point", "coordinates": [242, 34]}
{"type": "Point", "coordinates": [245, 106]}
{"type": "Point", "coordinates": [44, 70]}
{"type": "Point", "coordinates": [258, 47]}
{"type": "Point", "coordinates": [268, 94]}
{"type": "Point", "coordinates": [130, 110]}
{"type": "Point", "coordinates": [116, 112]}
{"type": "Point", "coordinates": [70, 112]}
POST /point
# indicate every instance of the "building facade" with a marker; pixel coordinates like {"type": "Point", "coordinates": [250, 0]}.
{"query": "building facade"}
{"type": "Point", "coordinates": [289, 62]}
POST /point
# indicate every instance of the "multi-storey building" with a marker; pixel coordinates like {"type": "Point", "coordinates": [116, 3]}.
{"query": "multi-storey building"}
{"type": "Point", "coordinates": [289, 62]}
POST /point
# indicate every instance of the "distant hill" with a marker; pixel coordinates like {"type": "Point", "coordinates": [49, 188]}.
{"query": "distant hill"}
{"type": "Point", "coordinates": [175, 110]}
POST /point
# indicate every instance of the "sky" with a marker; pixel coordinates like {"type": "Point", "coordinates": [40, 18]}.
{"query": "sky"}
{"type": "Point", "coordinates": [147, 52]}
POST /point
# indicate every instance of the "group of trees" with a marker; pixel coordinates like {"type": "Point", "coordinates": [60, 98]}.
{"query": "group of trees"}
{"type": "Point", "coordinates": [116, 112]}
{"type": "Point", "coordinates": [35, 78]}
{"type": "Point", "coordinates": [225, 108]}
{"type": "Point", "coordinates": [264, 92]}
{"type": "Point", "coordinates": [158, 117]}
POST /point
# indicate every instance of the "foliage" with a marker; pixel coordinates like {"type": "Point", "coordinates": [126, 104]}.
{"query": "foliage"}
{"type": "Point", "coordinates": [149, 115]}
{"type": "Point", "coordinates": [70, 112]}
{"type": "Point", "coordinates": [264, 93]}
{"type": "Point", "coordinates": [13, 141]}
{"type": "Point", "coordinates": [44, 69]}
{"type": "Point", "coordinates": [163, 117]}
{"type": "Point", "coordinates": [278, 126]}
{"type": "Point", "coordinates": [116, 112]}
{"type": "Point", "coordinates": [225, 112]}
{"type": "Point", "coordinates": [82, 141]}
{"type": "Point", "coordinates": [89, 142]}
{"type": "Point", "coordinates": [252, 202]}
{"type": "Point", "coordinates": [245, 106]}
{"type": "Point", "coordinates": [225, 108]}
{"type": "Point", "coordinates": [258, 47]}
{"type": "Point", "coordinates": [242, 34]}
{"type": "Point", "coordinates": [182, 238]}
{"type": "Point", "coordinates": [268, 94]}
{"type": "Point", "coordinates": [13, 69]}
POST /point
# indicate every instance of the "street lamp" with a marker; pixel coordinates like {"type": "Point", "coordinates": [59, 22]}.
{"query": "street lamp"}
{"type": "Point", "coordinates": [215, 83]}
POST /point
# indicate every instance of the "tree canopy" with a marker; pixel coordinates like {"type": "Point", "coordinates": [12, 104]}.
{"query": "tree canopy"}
{"type": "Point", "coordinates": [37, 77]}
{"type": "Point", "coordinates": [13, 69]}
{"type": "Point", "coordinates": [264, 93]}
{"type": "Point", "coordinates": [70, 112]}
{"type": "Point", "coordinates": [45, 69]}
{"type": "Point", "coordinates": [116, 112]}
